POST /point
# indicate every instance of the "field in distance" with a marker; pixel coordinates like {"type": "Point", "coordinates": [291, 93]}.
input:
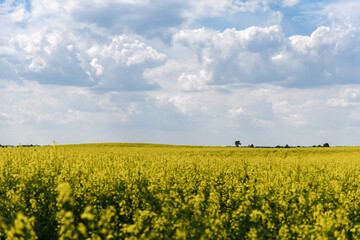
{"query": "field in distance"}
{"type": "Point", "coordinates": [145, 191]}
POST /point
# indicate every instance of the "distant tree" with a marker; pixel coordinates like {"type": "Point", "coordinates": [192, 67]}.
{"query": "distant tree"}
{"type": "Point", "coordinates": [237, 143]}
{"type": "Point", "coordinates": [326, 145]}
{"type": "Point", "coordinates": [287, 146]}
{"type": "Point", "coordinates": [251, 145]}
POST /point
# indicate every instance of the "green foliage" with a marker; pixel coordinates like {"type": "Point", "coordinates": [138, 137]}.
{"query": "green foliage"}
{"type": "Point", "coordinates": [141, 191]}
{"type": "Point", "coordinates": [326, 145]}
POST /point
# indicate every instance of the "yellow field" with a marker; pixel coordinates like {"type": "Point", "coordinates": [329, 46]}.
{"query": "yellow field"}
{"type": "Point", "coordinates": [143, 191]}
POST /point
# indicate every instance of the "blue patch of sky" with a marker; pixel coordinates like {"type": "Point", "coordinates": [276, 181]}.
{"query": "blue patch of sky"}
{"type": "Point", "coordinates": [301, 19]}
{"type": "Point", "coordinates": [292, 24]}
{"type": "Point", "coordinates": [296, 22]}
{"type": "Point", "coordinates": [25, 2]}
{"type": "Point", "coordinates": [28, 5]}
{"type": "Point", "coordinates": [238, 21]}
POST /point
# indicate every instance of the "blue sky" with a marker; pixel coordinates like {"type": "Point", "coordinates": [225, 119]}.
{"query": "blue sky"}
{"type": "Point", "coordinates": [207, 72]}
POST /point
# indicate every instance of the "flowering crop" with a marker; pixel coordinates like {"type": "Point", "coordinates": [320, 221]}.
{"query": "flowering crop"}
{"type": "Point", "coordinates": [144, 191]}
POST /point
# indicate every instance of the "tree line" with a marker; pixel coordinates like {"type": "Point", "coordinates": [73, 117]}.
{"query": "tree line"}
{"type": "Point", "coordinates": [238, 144]}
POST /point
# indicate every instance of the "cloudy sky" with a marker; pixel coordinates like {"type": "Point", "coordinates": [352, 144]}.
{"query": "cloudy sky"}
{"type": "Point", "coordinates": [205, 72]}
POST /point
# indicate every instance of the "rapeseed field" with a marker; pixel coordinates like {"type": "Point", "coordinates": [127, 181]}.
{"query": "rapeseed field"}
{"type": "Point", "coordinates": [144, 191]}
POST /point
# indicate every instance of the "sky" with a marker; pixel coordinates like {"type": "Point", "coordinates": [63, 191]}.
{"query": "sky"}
{"type": "Point", "coordinates": [205, 72]}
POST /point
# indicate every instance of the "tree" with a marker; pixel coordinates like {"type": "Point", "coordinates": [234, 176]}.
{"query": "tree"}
{"type": "Point", "coordinates": [326, 145]}
{"type": "Point", "coordinates": [237, 143]}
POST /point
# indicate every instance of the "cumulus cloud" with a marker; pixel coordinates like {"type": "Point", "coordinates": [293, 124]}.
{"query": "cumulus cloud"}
{"type": "Point", "coordinates": [98, 68]}
{"type": "Point", "coordinates": [120, 64]}
{"type": "Point", "coordinates": [126, 51]}
{"type": "Point", "coordinates": [253, 55]}
{"type": "Point", "coordinates": [69, 58]}
{"type": "Point", "coordinates": [177, 71]}
{"type": "Point", "coordinates": [232, 56]}
{"type": "Point", "coordinates": [194, 82]}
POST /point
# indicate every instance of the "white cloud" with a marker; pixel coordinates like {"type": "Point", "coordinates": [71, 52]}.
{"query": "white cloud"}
{"type": "Point", "coordinates": [290, 3]}
{"type": "Point", "coordinates": [124, 51]}
{"type": "Point", "coordinates": [98, 68]}
{"type": "Point", "coordinates": [246, 111]}
{"type": "Point", "coordinates": [250, 39]}
{"type": "Point", "coordinates": [70, 58]}
{"type": "Point", "coordinates": [343, 12]}
{"type": "Point", "coordinates": [235, 112]}
{"type": "Point", "coordinates": [337, 102]}
{"type": "Point", "coordinates": [127, 51]}
{"type": "Point", "coordinates": [275, 17]}
{"type": "Point", "coordinates": [282, 107]}
{"type": "Point", "coordinates": [54, 39]}
{"type": "Point", "coordinates": [12, 13]}
{"type": "Point", "coordinates": [43, 7]}
{"type": "Point", "coordinates": [346, 98]}
{"type": "Point", "coordinates": [121, 64]}
{"type": "Point", "coordinates": [296, 120]}
{"type": "Point", "coordinates": [37, 64]}
{"type": "Point", "coordinates": [234, 56]}
{"type": "Point", "coordinates": [183, 103]}
{"type": "Point", "coordinates": [114, 69]}
{"type": "Point", "coordinates": [208, 8]}
{"type": "Point", "coordinates": [190, 82]}
{"type": "Point", "coordinates": [263, 54]}
{"type": "Point", "coordinates": [30, 44]}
